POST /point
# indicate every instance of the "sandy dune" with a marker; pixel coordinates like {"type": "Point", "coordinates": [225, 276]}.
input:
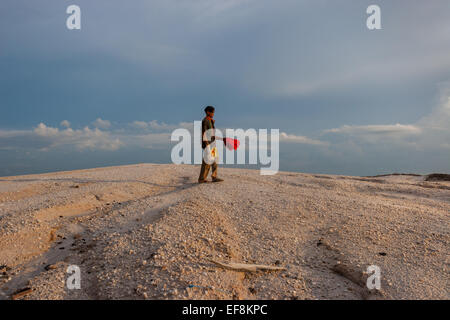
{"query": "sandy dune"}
{"type": "Point", "coordinates": [150, 232]}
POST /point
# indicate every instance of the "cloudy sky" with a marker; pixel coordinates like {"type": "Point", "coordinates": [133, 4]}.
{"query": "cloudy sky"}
{"type": "Point", "coordinates": [347, 100]}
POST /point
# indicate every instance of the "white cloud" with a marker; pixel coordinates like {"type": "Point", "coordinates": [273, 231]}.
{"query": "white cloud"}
{"type": "Point", "coordinates": [151, 140]}
{"type": "Point", "coordinates": [139, 124]}
{"type": "Point", "coordinates": [381, 130]}
{"type": "Point", "coordinates": [82, 139]}
{"type": "Point", "coordinates": [12, 133]}
{"type": "Point", "coordinates": [439, 118]}
{"type": "Point", "coordinates": [429, 132]}
{"type": "Point", "coordinates": [284, 137]}
{"type": "Point", "coordinates": [44, 131]}
{"type": "Point", "coordinates": [102, 124]}
{"type": "Point", "coordinates": [42, 137]}
{"type": "Point", "coordinates": [65, 123]}
{"type": "Point", "coordinates": [155, 125]}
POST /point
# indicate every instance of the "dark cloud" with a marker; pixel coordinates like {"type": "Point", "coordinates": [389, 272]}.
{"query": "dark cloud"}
{"type": "Point", "coordinates": [302, 66]}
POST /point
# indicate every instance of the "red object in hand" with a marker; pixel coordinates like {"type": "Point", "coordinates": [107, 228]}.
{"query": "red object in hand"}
{"type": "Point", "coordinates": [231, 143]}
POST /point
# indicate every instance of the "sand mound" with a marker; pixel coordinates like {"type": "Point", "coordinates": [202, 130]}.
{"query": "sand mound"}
{"type": "Point", "coordinates": [438, 177]}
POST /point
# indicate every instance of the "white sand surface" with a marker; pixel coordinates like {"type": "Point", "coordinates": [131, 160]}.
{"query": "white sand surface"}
{"type": "Point", "coordinates": [150, 231]}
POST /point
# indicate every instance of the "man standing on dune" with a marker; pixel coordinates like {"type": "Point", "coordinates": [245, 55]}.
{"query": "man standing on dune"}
{"type": "Point", "coordinates": [208, 124]}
